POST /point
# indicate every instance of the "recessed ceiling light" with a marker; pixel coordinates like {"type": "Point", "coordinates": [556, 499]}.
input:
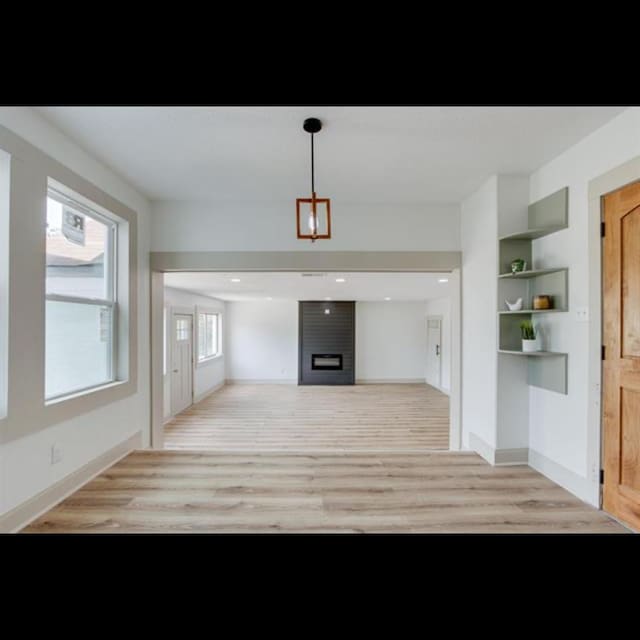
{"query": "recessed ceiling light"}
{"type": "Point", "coordinates": [443, 280]}
{"type": "Point", "coordinates": [340, 280]}
{"type": "Point", "coordinates": [327, 298]}
{"type": "Point", "coordinates": [235, 279]}
{"type": "Point", "coordinates": [387, 299]}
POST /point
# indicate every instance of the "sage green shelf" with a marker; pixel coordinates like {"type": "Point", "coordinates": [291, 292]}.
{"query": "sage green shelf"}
{"type": "Point", "coordinates": [534, 273]}
{"type": "Point", "coordinates": [533, 234]}
{"type": "Point", "coordinates": [535, 354]}
{"type": "Point", "coordinates": [545, 369]}
{"type": "Point", "coordinates": [523, 312]}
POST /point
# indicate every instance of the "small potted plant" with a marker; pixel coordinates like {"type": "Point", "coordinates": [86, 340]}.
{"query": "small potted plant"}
{"type": "Point", "coordinates": [528, 332]}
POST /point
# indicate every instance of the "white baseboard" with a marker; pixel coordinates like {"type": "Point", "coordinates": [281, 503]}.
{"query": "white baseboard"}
{"type": "Point", "coordinates": [447, 392]}
{"type": "Point", "coordinates": [498, 457]}
{"type": "Point", "coordinates": [566, 478]}
{"type": "Point", "coordinates": [208, 392]}
{"type": "Point", "coordinates": [390, 381]}
{"type": "Point", "coordinates": [261, 381]}
{"type": "Point", "coordinates": [477, 444]}
{"type": "Point", "coordinates": [20, 516]}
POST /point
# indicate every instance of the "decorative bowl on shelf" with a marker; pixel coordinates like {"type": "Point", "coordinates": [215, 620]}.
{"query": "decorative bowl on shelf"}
{"type": "Point", "coordinates": [542, 302]}
{"type": "Point", "coordinates": [514, 306]}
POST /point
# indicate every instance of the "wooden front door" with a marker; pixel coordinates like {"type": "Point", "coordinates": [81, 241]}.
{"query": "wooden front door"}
{"type": "Point", "coordinates": [621, 366]}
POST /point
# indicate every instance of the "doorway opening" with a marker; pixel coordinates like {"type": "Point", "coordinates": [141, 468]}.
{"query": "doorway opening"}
{"type": "Point", "coordinates": [258, 359]}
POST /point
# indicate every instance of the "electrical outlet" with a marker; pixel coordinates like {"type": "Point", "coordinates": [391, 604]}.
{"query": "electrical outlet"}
{"type": "Point", "coordinates": [56, 453]}
{"type": "Point", "coordinates": [582, 314]}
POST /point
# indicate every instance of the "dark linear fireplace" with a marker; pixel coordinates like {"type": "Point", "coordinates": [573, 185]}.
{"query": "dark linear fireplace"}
{"type": "Point", "coordinates": [326, 348]}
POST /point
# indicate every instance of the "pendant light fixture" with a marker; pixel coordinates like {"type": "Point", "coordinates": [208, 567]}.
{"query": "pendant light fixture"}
{"type": "Point", "coordinates": [313, 215]}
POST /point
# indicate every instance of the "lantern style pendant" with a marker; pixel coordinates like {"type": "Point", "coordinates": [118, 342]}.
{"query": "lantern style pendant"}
{"type": "Point", "coordinates": [313, 215]}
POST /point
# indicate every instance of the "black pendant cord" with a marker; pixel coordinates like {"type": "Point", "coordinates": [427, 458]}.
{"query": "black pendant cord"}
{"type": "Point", "coordinates": [313, 188]}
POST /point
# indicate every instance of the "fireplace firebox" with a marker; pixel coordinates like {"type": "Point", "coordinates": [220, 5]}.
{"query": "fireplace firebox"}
{"type": "Point", "coordinates": [327, 361]}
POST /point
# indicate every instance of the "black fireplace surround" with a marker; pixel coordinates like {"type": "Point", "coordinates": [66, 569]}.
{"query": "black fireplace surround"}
{"type": "Point", "coordinates": [326, 347]}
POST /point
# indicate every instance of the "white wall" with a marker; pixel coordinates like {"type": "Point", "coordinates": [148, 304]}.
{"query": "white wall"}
{"type": "Point", "coordinates": [391, 341]}
{"type": "Point", "coordinates": [558, 423]}
{"type": "Point", "coordinates": [207, 375]}
{"type": "Point", "coordinates": [196, 226]}
{"type": "Point", "coordinates": [442, 307]}
{"type": "Point", "coordinates": [25, 467]}
{"type": "Point", "coordinates": [262, 341]}
{"type": "Point", "coordinates": [479, 239]}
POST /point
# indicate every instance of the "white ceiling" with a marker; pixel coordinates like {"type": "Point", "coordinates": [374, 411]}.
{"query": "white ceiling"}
{"type": "Point", "coordinates": [295, 286]}
{"type": "Point", "coordinates": [363, 154]}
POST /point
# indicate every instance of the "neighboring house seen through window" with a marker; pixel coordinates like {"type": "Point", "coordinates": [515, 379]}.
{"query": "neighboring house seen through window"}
{"type": "Point", "coordinates": [80, 297]}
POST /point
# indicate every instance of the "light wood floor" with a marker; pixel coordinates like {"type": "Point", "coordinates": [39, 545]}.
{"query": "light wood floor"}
{"type": "Point", "coordinates": [171, 491]}
{"type": "Point", "coordinates": [386, 417]}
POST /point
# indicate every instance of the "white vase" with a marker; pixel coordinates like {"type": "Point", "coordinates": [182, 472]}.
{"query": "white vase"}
{"type": "Point", "coordinates": [529, 345]}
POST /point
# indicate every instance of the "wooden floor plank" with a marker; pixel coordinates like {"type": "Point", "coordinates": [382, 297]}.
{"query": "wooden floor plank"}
{"type": "Point", "coordinates": [271, 417]}
{"type": "Point", "coordinates": [180, 492]}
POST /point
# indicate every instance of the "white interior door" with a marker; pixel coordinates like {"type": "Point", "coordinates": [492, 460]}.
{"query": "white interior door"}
{"type": "Point", "coordinates": [181, 363]}
{"type": "Point", "coordinates": [434, 351]}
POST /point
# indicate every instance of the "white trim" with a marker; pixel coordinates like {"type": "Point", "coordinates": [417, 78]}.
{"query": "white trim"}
{"type": "Point", "coordinates": [447, 392]}
{"type": "Point", "coordinates": [261, 381]}
{"type": "Point", "coordinates": [477, 444]}
{"type": "Point", "coordinates": [566, 478]}
{"type": "Point", "coordinates": [390, 381]}
{"type": "Point", "coordinates": [200, 397]}
{"type": "Point", "coordinates": [20, 516]}
{"type": "Point", "coordinates": [209, 360]}
{"type": "Point", "coordinates": [207, 311]}
{"type": "Point", "coordinates": [497, 457]}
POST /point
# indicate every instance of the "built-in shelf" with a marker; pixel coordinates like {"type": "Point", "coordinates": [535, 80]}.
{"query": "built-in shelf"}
{"type": "Point", "coordinates": [537, 354]}
{"type": "Point", "coordinates": [534, 273]}
{"type": "Point", "coordinates": [544, 369]}
{"type": "Point", "coordinates": [533, 234]}
{"type": "Point", "coordinates": [527, 311]}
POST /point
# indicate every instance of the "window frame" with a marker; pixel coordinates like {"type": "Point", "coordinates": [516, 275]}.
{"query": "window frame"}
{"type": "Point", "coordinates": [111, 265]}
{"type": "Point", "coordinates": [218, 321]}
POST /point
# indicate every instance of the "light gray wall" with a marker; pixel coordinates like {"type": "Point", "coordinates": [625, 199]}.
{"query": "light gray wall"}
{"type": "Point", "coordinates": [479, 270]}
{"type": "Point", "coordinates": [25, 458]}
{"type": "Point", "coordinates": [391, 341]}
{"type": "Point", "coordinates": [262, 341]}
{"type": "Point", "coordinates": [189, 226]}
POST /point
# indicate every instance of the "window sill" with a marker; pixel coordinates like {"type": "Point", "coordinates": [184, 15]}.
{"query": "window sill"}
{"type": "Point", "coordinates": [206, 361]}
{"type": "Point", "coordinates": [83, 392]}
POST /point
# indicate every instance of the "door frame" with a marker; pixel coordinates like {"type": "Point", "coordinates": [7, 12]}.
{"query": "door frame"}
{"type": "Point", "coordinates": [441, 318]}
{"type": "Point", "coordinates": [617, 178]}
{"type": "Point", "coordinates": [302, 260]}
{"type": "Point", "coordinates": [180, 311]}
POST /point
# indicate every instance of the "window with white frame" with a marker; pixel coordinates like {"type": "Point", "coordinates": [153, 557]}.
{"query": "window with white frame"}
{"type": "Point", "coordinates": [80, 351]}
{"type": "Point", "coordinates": [208, 335]}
